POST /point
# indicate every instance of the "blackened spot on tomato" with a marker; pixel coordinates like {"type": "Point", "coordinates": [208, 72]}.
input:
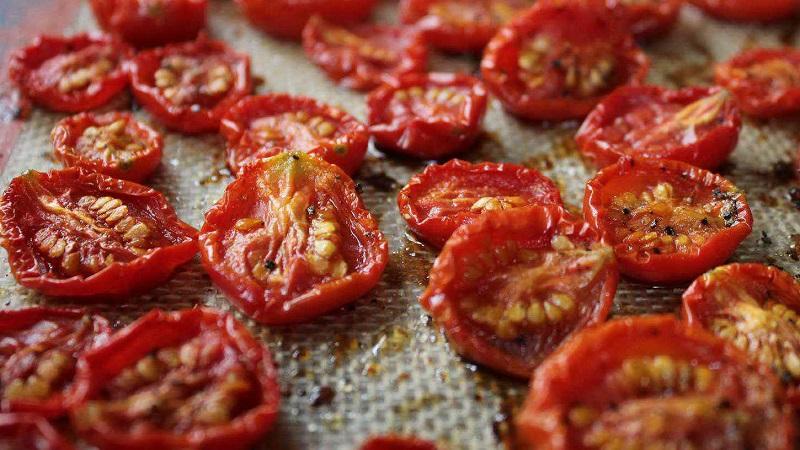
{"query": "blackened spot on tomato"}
{"type": "Point", "coordinates": [270, 265]}
{"type": "Point", "coordinates": [656, 250]}
{"type": "Point", "coordinates": [557, 64]}
{"type": "Point", "coordinates": [626, 211]}
{"type": "Point", "coordinates": [295, 157]}
{"type": "Point", "coordinates": [704, 221]}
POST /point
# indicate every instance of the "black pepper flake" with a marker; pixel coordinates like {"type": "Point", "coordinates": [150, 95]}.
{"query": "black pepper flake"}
{"type": "Point", "coordinates": [670, 231]}
{"type": "Point", "coordinates": [654, 224]}
{"type": "Point", "coordinates": [295, 157]}
{"type": "Point", "coordinates": [704, 221]}
{"type": "Point", "coordinates": [626, 211]}
{"type": "Point", "coordinates": [765, 239]}
{"type": "Point", "coordinates": [657, 251]}
{"type": "Point", "coordinates": [557, 64]}
{"type": "Point", "coordinates": [311, 210]}
{"type": "Point", "coordinates": [359, 188]}
{"type": "Point", "coordinates": [322, 396]}
{"type": "Point", "coordinates": [717, 193]}
{"type": "Point", "coordinates": [270, 265]}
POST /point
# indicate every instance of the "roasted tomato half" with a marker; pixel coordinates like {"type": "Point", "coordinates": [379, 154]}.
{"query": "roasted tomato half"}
{"type": "Point", "coordinates": [748, 11]}
{"type": "Point", "coordinates": [443, 197]}
{"type": "Point", "coordinates": [29, 432]}
{"type": "Point", "coordinates": [667, 220]}
{"type": "Point", "coordinates": [756, 308]}
{"type": "Point", "coordinates": [258, 126]}
{"type": "Point", "coordinates": [699, 126]}
{"type": "Point", "coordinates": [190, 86]}
{"type": "Point", "coordinates": [114, 144]}
{"type": "Point", "coordinates": [766, 82]}
{"type": "Point", "coordinates": [427, 115]}
{"type": "Point", "coordinates": [190, 379]}
{"type": "Point", "coordinates": [652, 382]}
{"type": "Point", "coordinates": [460, 25]}
{"type": "Point", "coordinates": [286, 18]}
{"type": "Point", "coordinates": [39, 349]}
{"type": "Point", "coordinates": [363, 57]}
{"type": "Point", "coordinates": [647, 18]}
{"type": "Point", "coordinates": [559, 59]}
{"type": "Point", "coordinates": [510, 286]}
{"type": "Point", "coordinates": [291, 240]}
{"type": "Point", "coordinates": [150, 23]}
{"type": "Point", "coordinates": [71, 74]}
{"type": "Point", "coordinates": [392, 442]}
{"type": "Point", "coordinates": [76, 233]}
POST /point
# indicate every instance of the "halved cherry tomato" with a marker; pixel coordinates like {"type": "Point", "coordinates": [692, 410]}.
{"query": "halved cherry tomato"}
{"type": "Point", "coordinates": [76, 233]}
{"type": "Point", "coordinates": [258, 126]}
{"type": "Point", "coordinates": [71, 74]}
{"type": "Point", "coordinates": [190, 379]}
{"type": "Point", "coordinates": [699, 126]}
{"type": "Point", "coordinates": [652, 382]}
{"type": "Point", "coordinates": [647, 18]}
{"type": "Point", "coordinates": [364, 56]}
{"type": "Point", "coordinates": [39, 349]}
{"type": "Point", "coordinates": [512, 285]}
{"type": "Point", "coordinates": [749, 11]}
{"type": "Point", "coordinates": [286, 18]}
{"type": "Point", "coordinates": [29, 432]}
{"type": "Point", "coordinates": [766, 82]}
{"type": "Point", "coordinates": [190, 86]}
{"type": "Point", "coordinates": [392, 442]}
{"type": "Point", "coordinates": [291, 240]}
{"type": "Point", "coordinates": [150, 23]}
{"type": "Point", "coordinates": [559, 59]}
{"type": "Point", "coordinates": [443, 197]}
{"type": "Point", "coordinates": [667, 220]}
{"type": "Point", "coordinates": [427, 115]}
{"type": "Point", "coordinates": [114, 144]}
{"type": "Point", "coordinates": [460, 25]}
{"type": "Point", "coordinates": [756, 308]}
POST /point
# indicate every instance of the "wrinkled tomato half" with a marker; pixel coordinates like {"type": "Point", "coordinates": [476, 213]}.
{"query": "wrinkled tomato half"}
{"type": "Point", "coordinates": [766, 82]}
{"type": "Point", "coordinates": [756, 308]}
{"type": "Point", "coordinates": [363, 57]}
{"type": "Point", "coordinates": [427, 115]}
{"type": "Point", "coordinates": [699, 126]}
{"type": "Point", "coordinates": [559, 59]}
{"type": "Point", "coordinates": [257, 127]}
{"type": "Point", "coordinates": [460, 25]}
{"type": "Point", "coordinates": [29, 432]}
{"type": "Point", "coordinates": [392, 442]}
{"type": "Point", "coordinates": [150, 23]}
{"type": "Point", "coordinates": [437, 201]}
{"type": "Point", "coordinates": [512, 285]}
{"type": "Point", "coordinates": [189, 86]}
{"type": "Point", "coordinates": [667, 220]}
{"type": "Point", "coordinates": [76, 233]}
{"type": "Point", "coordinates": [71, 74]}
{"type": "Point", "coordinates": [114, 144]}
{"type": "Point", "coordinates": [290, 240]}
{"type": "Point", "coordinates": [39, 349]}
{"type": "Point", "coordinates": [190, 379]}
{"type": "Point", "coordinates": [749, 11]}
{"type": "Point", "coordinates": [652, 382]}
{"type": "Point", "coordinates": [647, 18]}
{"type": "Point", "coordinates": [286, 18]}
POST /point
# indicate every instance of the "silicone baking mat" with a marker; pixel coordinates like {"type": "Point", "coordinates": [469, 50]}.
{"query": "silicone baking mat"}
{"type": "Point", "coordinates": [380, 365]}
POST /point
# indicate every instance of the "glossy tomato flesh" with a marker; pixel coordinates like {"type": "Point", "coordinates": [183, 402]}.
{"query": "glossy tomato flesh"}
{"type": "Point", "coordinates": [150, 23]}
{"type": "Point", "coordinates": [286, 18]}
{"type": "Point", "coordinates": [749, 11]}
{"type": "Point", "coordinates": [647, 18]}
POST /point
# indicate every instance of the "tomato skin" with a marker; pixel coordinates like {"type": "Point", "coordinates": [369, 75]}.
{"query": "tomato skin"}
{"type": "Point", "coordinates": [151, 24]}
{"type": "Point", "coordinates": [243, 198]}
{"type": "Point", "coordinates": [648, 21]}
{"type": "Point", "coordinates": [346, 66]}
{"type": "Point", "coordinates": [437, 228]}
{"type": "Point", "coordinates": [744, 11]}
{"type": "Point", "coordinates": [31, 431]}
{"type": "Point", "coordinates": [68, 131]}
{"type": "Point", "coordinates": [242, 149]}
{"type": "Point", "coordinates": [115, 280]}
{"type": "Point", "coordinates": [576, 22]}
{"type": "Point", "coordinates": [186, 118]}
{"type": "Point", "coordinates": [286, 18]}
{"type": "Point", "coordinates": [674, 267]}
{"type": "Point", "coordinates": [422, 136]}
{"type": "Point", "coordinates": [159, 329]}
{"type": "Point", "coordinates": [28, 70]}
{"type": "Point", "coordinates": [709, 151]}
{"type": "Point", "coordinates": [392, 442]}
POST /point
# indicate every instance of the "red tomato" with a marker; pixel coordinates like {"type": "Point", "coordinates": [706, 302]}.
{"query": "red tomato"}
{"type": "Point", "coordinates": [286, 18]}
{"type": "Point", "coordinates": [699, 126]}
{"type": "Point", "coordinates": [150, 23]}
{"type": "Point", "coordinates": [190, 86]}
{"type": "Point", "coordinates": [290, 240]}
{"type": "Point", "coordinates": [460, 25]}
{"type": "Point", "coordinates": [766, 82]}
{"type": "Point", "coordinates": [190, 379]}
{"type": "Point", "coordinates": [258, 126]}
{"type": "Point", "coordinates": [749, 11]}
{"type": "Point", "coordinates": [39, 348]}
{"type": "Point", "coordinates": [392, 442]}
{"type": "Point", "coordinates": [652, 381]}
{"type": "Point", "coordinates": [114, 144]}
{"type": "Point", "coordinates": [443, 197]}
{"type": "Point", "coordinates": [363, 57]}
{"type": "Point", "coordinates": [75, 233]}
{"type": "Point", "coordinates": [427, 115]}
{"type": "Point", "coordinates": [70, 74]}
{"type": "Point", "coordinates": [510, 286]}
{"type": "Point", "coordinates": [29, 431]}
{"type": "Point", "coordinates": [647, 18]}
{"type": "Point", "coordinates": [559, 59]}
{"type": "Point", "coordinates": [755, 307]}
{"type": "Point", "coordinates": [667, 220]}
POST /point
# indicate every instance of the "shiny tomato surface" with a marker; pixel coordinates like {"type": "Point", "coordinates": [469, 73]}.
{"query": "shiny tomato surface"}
{"type": "Point", "coordinates": [749, 11]}
{"type": "Point", "coordinates": [286, 18]}
{"type": "Point", "coordinates": [647, 19]}
{"type": "Point", "coordinates": [150, 23]}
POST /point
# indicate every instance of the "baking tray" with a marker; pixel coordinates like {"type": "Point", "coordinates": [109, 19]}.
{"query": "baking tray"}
{"type": "Point", "coordinates": [380, 365]}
